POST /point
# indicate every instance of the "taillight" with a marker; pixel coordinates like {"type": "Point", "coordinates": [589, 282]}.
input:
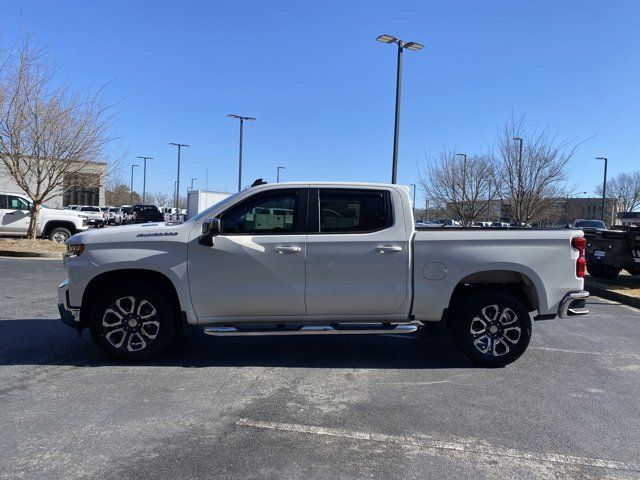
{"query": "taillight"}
{"type": "Point", "coordinates": [580, 244]}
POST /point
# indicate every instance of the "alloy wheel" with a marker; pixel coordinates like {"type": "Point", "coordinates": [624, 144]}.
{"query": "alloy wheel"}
{"type": "Point", "coordinates": [130, 324]}
{"type": "Point", "coordinates": [496, 329]}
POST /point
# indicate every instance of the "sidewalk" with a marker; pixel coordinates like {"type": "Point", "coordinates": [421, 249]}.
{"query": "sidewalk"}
{"type": "Point", "coordinates": [624, 289]}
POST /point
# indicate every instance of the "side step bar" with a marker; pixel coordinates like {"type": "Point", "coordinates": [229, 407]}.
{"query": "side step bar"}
{"type": "Point", "coordinates": [331, 329]}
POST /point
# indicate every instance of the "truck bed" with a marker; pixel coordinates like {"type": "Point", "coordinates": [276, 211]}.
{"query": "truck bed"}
{"type": "Point", "coordinates": [444, 258]}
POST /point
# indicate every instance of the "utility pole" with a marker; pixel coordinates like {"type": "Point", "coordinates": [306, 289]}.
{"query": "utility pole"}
{"type": "Point", "coordinates": [520, 190]}
{"type": "Point", "coordinates": [278, 174]}
{"type": "Point", "coordinates": [396, 130]}
{"type": "Point", "coordinates": [242, 119]}
{"type": "Point", "coordinates": [604, 184]}
{"type": "Point", "coordinates": [177, 194]}
{"type": "Point", "coordinates": [464, 181]}
{"type": "Point", "coordinates": [131, 186]}
{"type": "Point", "coordinates": [144, 178]}
{"type": "Point", "coordinates": [413, 205]}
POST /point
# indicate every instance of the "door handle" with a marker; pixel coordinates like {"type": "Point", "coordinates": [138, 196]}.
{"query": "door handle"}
{"type": "Point", "coordinates": [287, 249]}
{"type": "Point", "coordinates": [388, 248]}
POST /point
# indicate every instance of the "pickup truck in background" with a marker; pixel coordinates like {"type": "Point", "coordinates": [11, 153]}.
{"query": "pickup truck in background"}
{"type": "Point", "coordinates": [611, 251]}
{"type": "Point", "coordinates": [319, 258]}
{"type": "Point", "coordinates": [54, 224]}
{"type": "Point", "coordinates": [94, 215]}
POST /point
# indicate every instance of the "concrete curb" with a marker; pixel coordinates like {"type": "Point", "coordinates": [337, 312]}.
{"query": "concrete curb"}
{"type": "Point", "coordinates": [11, 253]}
{"type": "Point", "coordinates": [603, 292]}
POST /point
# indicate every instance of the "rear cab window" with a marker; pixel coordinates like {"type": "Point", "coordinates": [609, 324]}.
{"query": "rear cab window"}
{"type": "Point", "coordinates": [354, 210]}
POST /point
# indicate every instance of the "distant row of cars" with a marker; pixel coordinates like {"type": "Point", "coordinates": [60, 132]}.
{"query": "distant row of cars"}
{"type": "Point", "coordinates": [101, 216]}
{"type": "Point", "coordinates": [449, 222]}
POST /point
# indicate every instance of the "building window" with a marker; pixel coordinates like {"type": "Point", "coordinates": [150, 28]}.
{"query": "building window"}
{"type": "Point", "coordinates": [81, 189]}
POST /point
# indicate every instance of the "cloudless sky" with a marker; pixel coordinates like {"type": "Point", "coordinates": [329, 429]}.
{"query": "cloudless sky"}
{"type": "Point", "coordinates": [323, 89]}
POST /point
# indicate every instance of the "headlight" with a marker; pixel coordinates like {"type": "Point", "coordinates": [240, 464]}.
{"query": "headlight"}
{"type": "Point", "coordinates": [74, 249]}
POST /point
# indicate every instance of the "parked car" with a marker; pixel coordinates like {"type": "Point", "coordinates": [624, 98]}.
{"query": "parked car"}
{"type": "Point", "coordinates": [146, 213]}
{"type": "Point", "coordinates": [589, 225]}
{"type": "Point", "coordinates": [296, 258]}
{"type": "Point", "coordinates": [442, 222]}
{"type": "Point", "coordinates": [55, 224]}
{"type": "Point", "coordinates": [500, 224]}
{"type": "Point", "coordinates": [71, 207]}
{"type": "Point", "coordinates": [482, 224]}
{"type": "Point", "coordinates": [94, 215]}
{"type": "Point", "coordinates": [127, 213]}
{"type": "Point", "coordinates": [611, 251]}
{"type": "Point", "coordinates": [114, 216]}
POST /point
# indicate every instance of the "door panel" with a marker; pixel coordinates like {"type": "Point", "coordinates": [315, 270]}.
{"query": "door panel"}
{"type": "Point", "coordinates": [256, 266]}
{"type": "Point", "coordinates": [353, 273]}
{"type": "Point", "coordinates": [15, 217]}
{"type": "Point", "coordinates": [244, 275]}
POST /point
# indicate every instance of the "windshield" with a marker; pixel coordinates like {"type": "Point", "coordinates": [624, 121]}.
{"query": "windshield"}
{"type": "Point", "coordinates": [205, 213]}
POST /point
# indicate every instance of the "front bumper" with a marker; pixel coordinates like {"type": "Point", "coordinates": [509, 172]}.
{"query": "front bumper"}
{"type": "Point", "coordinates": [69, 315]}
{"type": "Point", "coordinates": [573, 303]}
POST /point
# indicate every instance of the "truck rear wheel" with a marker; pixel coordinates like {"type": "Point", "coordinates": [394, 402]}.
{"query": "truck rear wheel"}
{"type": "Point", "coordinates": [492, 328]}
{"type": "Point", "coordinates": [133, 322]}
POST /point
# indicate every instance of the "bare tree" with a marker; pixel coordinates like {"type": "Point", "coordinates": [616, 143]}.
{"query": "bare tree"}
{"type": "Point", "coordinates": [48, 135]}
{"type": "Point", "coordinates": [532, 184]}
{"type": "Point", "coordinates": [161, 199]}
{"type": "Point", "coordinates": [625, 187]}
{"type": "Point", "coordinates": [465, 188]}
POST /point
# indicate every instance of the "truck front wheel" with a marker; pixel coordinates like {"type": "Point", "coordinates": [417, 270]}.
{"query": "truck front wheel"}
{"type": "Point", "coordinates": [133, 322]}
{"type": "Point", "coordinates": [492, 328]}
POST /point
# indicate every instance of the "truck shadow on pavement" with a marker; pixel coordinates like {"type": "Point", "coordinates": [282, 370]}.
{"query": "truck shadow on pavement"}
{"type": "Point", "coordinates": [48, 342]}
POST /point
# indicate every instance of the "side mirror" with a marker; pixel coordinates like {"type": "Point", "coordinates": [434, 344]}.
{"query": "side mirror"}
{"type": "Point", "coordinates": [210, 229]}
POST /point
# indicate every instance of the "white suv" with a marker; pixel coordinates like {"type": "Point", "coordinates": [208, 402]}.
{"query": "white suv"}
{"type": "Point", "coordinates": [56, 225]}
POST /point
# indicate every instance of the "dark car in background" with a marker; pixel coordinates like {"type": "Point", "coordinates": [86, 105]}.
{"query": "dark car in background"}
{"type": "Point", "coordinates": [146, 213]}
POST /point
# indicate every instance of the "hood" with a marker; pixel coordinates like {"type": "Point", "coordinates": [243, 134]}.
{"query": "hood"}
{"type": "Point", "coordinates": [161, 231]}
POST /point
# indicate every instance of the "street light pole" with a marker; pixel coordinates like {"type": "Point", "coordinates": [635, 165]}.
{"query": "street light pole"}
{"type": "Point", "coordinates": [519, 200]}
{"type": "Point", "coordinates": [177, 196]}
{"type": "Point", "coordinates": [464, 182]}
{"type": "Point", "coordinates": [242, 119]}
{"type": "Point", "coordinates": [278, 174]}
{"type": "Point", "coordinates": [413, 205]}
{"type": "Point", "coordinates": [604, 184]}
{"type": "Point", "coordinates": [144, 177]}
{"type": "Point", "coordinates": [131, 187]}
{"type": "Point", "coordinates": [396, 130]}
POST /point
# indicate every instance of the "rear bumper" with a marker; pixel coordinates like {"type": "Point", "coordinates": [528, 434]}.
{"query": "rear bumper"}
{"type": "Point", "coordinates": [69, 315]}
{"type": "Point", "coordinates": [573, 303]}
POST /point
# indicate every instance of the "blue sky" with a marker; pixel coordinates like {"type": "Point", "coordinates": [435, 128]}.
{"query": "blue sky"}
{"type": "Point", "coordinates": [322, 88]}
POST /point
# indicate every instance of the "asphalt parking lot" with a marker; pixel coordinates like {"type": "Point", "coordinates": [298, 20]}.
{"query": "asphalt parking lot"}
{"type": "Point", "coordinates": [313, 407]}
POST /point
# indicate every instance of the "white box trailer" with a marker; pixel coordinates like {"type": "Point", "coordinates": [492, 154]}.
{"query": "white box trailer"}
{"type": "Point", "coordinates": [199, 200]}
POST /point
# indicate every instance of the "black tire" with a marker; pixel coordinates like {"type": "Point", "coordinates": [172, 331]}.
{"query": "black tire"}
{"type": "Point", "coordinates": [491, 327]}
{"type": "Point", "coordinates": [139, 334]}
{"type": "Point", "coordinates": [59, 235]}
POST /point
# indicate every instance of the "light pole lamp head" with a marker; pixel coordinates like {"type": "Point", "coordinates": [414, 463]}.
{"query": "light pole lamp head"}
{"type": "Point", "coordinates": [601, 158]}
{"type": "Point", "coordinates": [461, 155]}
{"type": "Point", "coordinates": [240, 117]}
{"type": "Point", "coordinates": [134, 165]}
{"type": "Point", "coordinates": [387, 38]}
{"type": "Point", "coordinates": [415, 46]}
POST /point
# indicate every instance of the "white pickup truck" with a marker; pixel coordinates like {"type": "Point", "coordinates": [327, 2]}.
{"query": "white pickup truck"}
{"type": "Point", "coordinates": [318, 258]}
{"type": "Point", "coordinates": [55, 224]}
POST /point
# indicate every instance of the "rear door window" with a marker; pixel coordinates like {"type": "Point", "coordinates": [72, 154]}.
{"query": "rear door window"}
{"type": "Point", "coordinates": [354, 211]}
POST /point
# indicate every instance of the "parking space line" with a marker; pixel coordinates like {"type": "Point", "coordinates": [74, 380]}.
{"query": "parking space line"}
{"type": "Point", "coordinates": [438, 446]}
{"type": "Point", "coordinates": [585, 352]}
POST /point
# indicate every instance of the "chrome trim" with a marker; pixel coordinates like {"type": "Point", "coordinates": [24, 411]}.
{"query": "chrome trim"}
{"type": "Point", "coordinates": [565, 310]}
{"type": "Point", "coordinates": [334, 329]}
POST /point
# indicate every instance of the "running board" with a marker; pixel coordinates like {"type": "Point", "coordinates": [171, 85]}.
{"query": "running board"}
{"type": "Point", "coordinates": [332, 329]}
